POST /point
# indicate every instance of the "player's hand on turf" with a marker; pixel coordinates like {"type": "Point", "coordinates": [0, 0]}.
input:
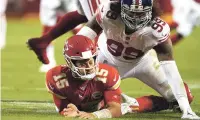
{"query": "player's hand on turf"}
{"type": "Point", "coordinates": [70, 111]}
{"type": "Point", "coordinates": [85, 115]}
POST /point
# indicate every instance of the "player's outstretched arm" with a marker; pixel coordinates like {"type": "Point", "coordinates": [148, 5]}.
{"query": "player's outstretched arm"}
{"type": "Point", "coordinates": [91, 29]}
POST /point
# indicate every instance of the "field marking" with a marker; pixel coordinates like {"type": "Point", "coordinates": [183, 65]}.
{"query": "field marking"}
{"type": "Point", "coordinates": [13, 88]}
{"type": "Point", "coordinates": [38, 103]}
{"type": "Point", "coordinates": [36, 106]}
{"type": "Point", "coordinates": [194, 86]}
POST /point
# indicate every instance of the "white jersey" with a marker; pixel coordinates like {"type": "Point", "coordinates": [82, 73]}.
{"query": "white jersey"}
{"type": "Point", "coordinates": [3, 23]}
{"type": "Point", "coordinates": [3, 4]}
{"type": "Point", "coordinates": [126, 48]}
{"type": "Point", "coordinates": [49, 10]}
{"type": "Point", "coordinates": [89, 7]}
{"type": "Point", "coordinates": [186, 13]}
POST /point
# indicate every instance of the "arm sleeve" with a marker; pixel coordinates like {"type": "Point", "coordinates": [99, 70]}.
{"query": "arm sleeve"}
{"type": "Point", "coordinates": [51, 84]}
{"type": "Point", "coordinates": [60, 103]}
{"type": "Point", "coordinates": [112, 96]}
{"type": "Point", "coordinates": [113, 91]}
{"type": "Point", "coordinates": [59, 98]}
{"type": "Point", "coordinates": [113, 79]}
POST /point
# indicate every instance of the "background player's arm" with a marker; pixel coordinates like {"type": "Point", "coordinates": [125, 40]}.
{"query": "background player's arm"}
{"type": "Point", "coordinates": [93, 24]}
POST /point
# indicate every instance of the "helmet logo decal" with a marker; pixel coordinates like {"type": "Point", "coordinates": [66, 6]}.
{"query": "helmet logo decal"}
{"type": "Point", "coordinates": [87, 54]}
{"type": "Point", "coordinates": [136, 5]}
{"type": "Point", "coordinates": [137, 2]}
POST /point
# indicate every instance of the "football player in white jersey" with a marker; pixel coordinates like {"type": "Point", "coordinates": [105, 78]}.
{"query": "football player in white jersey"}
{"type": "Point", "coordinates": [50, 12]}
{"type": "Point", "coordinates": [3, 4]}
{"type": "Point", "coordinates": [186, 14]}
{"type": "Point", "coordinates": [131, 29]}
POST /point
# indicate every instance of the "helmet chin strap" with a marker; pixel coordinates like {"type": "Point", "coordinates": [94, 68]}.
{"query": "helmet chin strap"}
{"type": "Point", "coordinates": [88, 77]}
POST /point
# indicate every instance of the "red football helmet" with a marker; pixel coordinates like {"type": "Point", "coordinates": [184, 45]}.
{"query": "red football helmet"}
{"type": "Point", "coordinates": [80, 49]}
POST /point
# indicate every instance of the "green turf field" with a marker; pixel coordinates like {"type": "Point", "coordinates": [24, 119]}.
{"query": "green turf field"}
{"type": "Point", "coordinates": [24, 96]}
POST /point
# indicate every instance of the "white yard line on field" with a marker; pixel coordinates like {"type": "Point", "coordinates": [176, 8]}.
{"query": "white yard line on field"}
{"type": "Point", "coordinates": [37, 106]}
{"type": "Point", "coordinates": [12, 88]}
{"type": "Point", "coordinates": [194, 86]}
{"type": "Point", "coordinates": [27, 103]}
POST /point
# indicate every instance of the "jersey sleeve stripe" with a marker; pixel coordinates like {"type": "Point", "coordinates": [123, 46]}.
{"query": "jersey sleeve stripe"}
{"type": "Point", "coordinates": [117, 84]}
{"type": "Point", "coordinates": [91, 10]}
{"type": "Point", "coordinates": [98, 16]}
{"type": "Point", "coordinates": [164, 39]}
{"type": "Point", "coordinates": [61, 97]}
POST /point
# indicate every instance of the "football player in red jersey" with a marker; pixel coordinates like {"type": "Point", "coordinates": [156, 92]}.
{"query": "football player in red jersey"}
{"type": "Point", "coordinates": [84, 85]}
{"type": "Point", "coordinates": [86, 89]}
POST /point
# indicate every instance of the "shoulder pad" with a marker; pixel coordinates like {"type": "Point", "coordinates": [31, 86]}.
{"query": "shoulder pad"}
{"type": "Point", "coordinates": [160, 29]}
{"type": "Point", "coordinates": [56, 80]}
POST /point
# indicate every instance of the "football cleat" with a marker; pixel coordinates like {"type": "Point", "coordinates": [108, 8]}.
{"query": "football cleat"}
{"type": "Point", "coordinates": [39, 47]}
{"type": "Point", "coordinates": [190, 115]}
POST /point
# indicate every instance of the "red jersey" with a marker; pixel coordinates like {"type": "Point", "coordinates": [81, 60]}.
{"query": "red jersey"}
{"type": "Point", "coordinates": [87, 95]}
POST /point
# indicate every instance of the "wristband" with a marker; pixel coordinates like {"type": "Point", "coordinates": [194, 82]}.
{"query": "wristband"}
{"type": "Point", "coordinates": [104, 113]}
